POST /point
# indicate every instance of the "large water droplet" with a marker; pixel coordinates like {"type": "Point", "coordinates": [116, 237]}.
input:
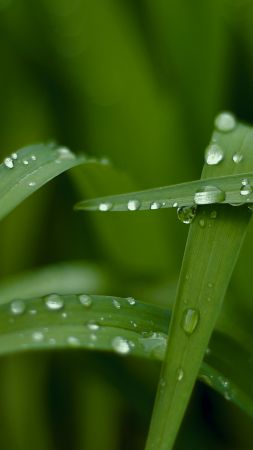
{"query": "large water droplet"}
{"type": "Point", "coordinates": [190, 320]}
{"type": "Point", "coordinates": [17, 307]}
{"type": "Point", "coordinates": [8, 163]}
{"type": "Point", "coordinates": [225, 122]}
{"type": "Point", "coordinates": [133, 205]}
{"type": "Point", "coordinates": [54, 302]}
{"type": "Point", "coordinates": [85, 300]}
{"type": "Point", "coordinates": [121, 345]}
{"type": "Point", "coordinates": [209, 194]}
{"type": "Point", "coordinates": [213, 155]}
{"type": "Point", "coordinates": [105, 206]}
{"type": "Point", "coordinates": [186, 213]}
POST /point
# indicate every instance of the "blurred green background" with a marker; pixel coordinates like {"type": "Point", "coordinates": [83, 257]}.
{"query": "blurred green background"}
{"type": "Point", "coordinates": [138, 82]}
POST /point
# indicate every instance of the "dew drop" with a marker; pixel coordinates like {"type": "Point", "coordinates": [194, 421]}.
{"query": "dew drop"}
{"type": "Point", "coordinates": [246, 188]}
{"type": "Point", "coordinates": [85, 300]}
{"type": "Point", "coordinates": [25, 162]}
{"type": "Point", "coordinates": [190, 320]}
{"type": "Point", "coordinates": [14, 155]}
{"type": "Point", "coordinates": [116, 303]}
{"type": "Point", "coordinates": [237, 158]}
{"type": "Point", "coordinates": [33, 158]}
{"type": "Point", "coordinates": [186, 214]}
{"type": "Point", "coordinates": [175, 205]}
{"type": "Point", "coordinates": [213, 154]}
{"type": "Point", "coordinates": [133, 205]}
{"type": "Point", "coordinates": [64, 153]}
{"type": "Point", "coordinates": [17, 307]}
{"type": "Point", "coordinates": [225, 122]}
{"type": "Point", "coordinates": [32, 184]}
{"type": "Point", "coordinates": [54, 302]}
{"type": "Point", "coordinates": [73, 341]}
{"type": "Point", "coordinates": [37, 336]}
{"type": "Point", "coordinates": [209, 194]}
{"type": "Point", "coordinates": [202, 223]}
{"type": "Point", "coordinates": [180, 374]}
{"type": "Point", "coordinates": [131, 301]}
{"type": "Point", "coordinates": [155, 205]}
{"type": "Point", "coordinates": [105, 206]}
{"type": "Point", "coordinates": [8, 163]}
{"type": "Point", "coordinates": [121, 345]}
{"type": "Point", "coordinates": [92, 326]}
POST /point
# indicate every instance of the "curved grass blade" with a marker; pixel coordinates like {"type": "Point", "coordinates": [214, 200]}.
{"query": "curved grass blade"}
{"type": "Point", "coordinates": [124, 326]}
{"type": "Point", "coordinates": [212, 249]}
{"type": "Point", "coordinates": [24, 172]}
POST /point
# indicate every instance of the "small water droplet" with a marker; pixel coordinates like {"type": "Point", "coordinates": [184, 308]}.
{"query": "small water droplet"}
{"type": "Point", "coordinates": [33, 312]}
{"type": "Point", "coordinates": [14, 155]}
{"type": "Point", "coordinates": [106, 206]}
{"type": "Point", "coordinates": [33, 158]}
{"type": "Point", "coordinates": [180, 374]}
{"type": "Point", "coordinates": [64, 315]}
{"type": "Point", "coordinates": [175, 205]}
{"type": "Point", "coordinates": [32, 184]}
{"type": "Point", "coordinates": [8, 163]}
{"type": "Point", "coordinates": [209, 194]}
{"type": "Point", "coordinates": [246, 188]}
{"type": "Point", "coordinates": [25, 162]}
{"type": "Point", "coordinates": [121, 345]}
{"type": "Point", "coordinates": [73, 341]}
{"type": "Point", "coordinates": [85, 300]}
{"type": "Point", "coordinates": [133, 205]}
{"type": "Point", "coordinates": [93, 326]}
{"type": "Point", "coordinates": [190, 320]}
{"type": "Point", "coordinates": [186, 214]}
{"type": "Point", "coordinates": [17, 307]}
{"type": "Point", "coordinates": [131, 301]}
{"type": "Point", "coordinates": [116, 303]}
{"type": "Point", "coordinates": [37, 336]}
{"type": "Point", "coordinates": [202, 223]}
{"type": "Point", "coordinates": [54, 302]}
{"type": "Point", "coordinates": [237, 158]}
{"type": "Point", "coordinates": [64, 153]}
{"type": "Point", "coordinates": [155, 205]}
{"type": "Point", "coordinates": [213, 214]}
{"type": "Point", "coordinates": [213, 154]}
{"type": "Point", "coordinates": [225, 121]}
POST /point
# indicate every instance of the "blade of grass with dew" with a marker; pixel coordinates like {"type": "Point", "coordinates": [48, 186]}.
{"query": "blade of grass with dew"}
{"type": "Point", "coordinates": [26, 170]}
{"type": "Point", "coordinates": [92, 322]}
{"type": "Point", "coordinates": [212, 249]}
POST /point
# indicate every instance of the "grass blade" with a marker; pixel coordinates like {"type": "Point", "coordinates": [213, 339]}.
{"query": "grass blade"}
{"type": "Point", "coordinates": [24, 172]}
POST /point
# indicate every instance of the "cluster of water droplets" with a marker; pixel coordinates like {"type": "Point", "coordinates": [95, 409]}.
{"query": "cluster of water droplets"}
{"type": "Point", "coordinates": [10, 161]}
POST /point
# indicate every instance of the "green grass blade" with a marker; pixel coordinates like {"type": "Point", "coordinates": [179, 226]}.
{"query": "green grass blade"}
{"type": "Point", "coordinates": [24, 172]}
{"type": "Point", "coordinates": [212, 249]}
{"type": "Point", "coordinates": [124, 326]}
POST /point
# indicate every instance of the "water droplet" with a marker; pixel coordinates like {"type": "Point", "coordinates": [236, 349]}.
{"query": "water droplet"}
{"type": "Point", "coordinates": [133, 205]}
{"type": "Point", "coordinates": [131, 301]}
{"type": "Point", "coordinates": [33, 158]}
{"type": "Point", "coordinates": [213, 214]}
{"type": "Point", "coordinates": [73, 341]}
{"type": "Point", "coordinates": [225, 122]}
{"type": "Point", "coordinates": [37, 336]}
{"type": "Point", "coordinates": [175, 205]}
{"type": "Point", "coordinates": [213, 154]}
{"type": "Point", "coordinates": [25, 162]}
{"type": "Point", "coordinates": [209, 194]}
{"type": "Point", "coordinates": [17, 307]}
{"type": "Point", "coordinates": [186, 214]}
{"type": "Point", "coordinates": [237, 158]}
{"type": "Point", "coordinates": [180, 374]}
{"type": "Point", "coordinates": [155, 205]}
{"type": "Point", "coordinates": [116, 303]}
{"type": "Point", "coordinates": [246, 188]}
{"type": "Point", "coordinates": [64, 315]}
{"type": "Point", "coordinates": [190, 320]}
{"type": "Point", "coordinates": [32, 184]}
{"type": "Point", "coordinates": [121, 345]}
{"type": "Point", "coordinates": [54, 302]}
{"type": "Point", "coordinates": [93, 326]}
{"type": "Point", "coordinates": [64, 153]}
{"type": "Point", "coordinates": [202, 223]}
{"type": "Point", "coordinates": [8, 163]}
{"type": "Point", "coordinates": [14, 155]}
{"type": "Point", "coordinates": [85, 300]}
{"type": "Point", "coordinates": [105, 206]}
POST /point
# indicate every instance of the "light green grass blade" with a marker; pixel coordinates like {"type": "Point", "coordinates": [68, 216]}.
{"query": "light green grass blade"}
{"type": "Point", "coordinates": [231, 187]}
{"type": "Point", "coordinates": [103, 323]}
{"type": "Point", "coordinates": [212, 249]}
{"type": "Point", "coordinates": [25, 171]}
